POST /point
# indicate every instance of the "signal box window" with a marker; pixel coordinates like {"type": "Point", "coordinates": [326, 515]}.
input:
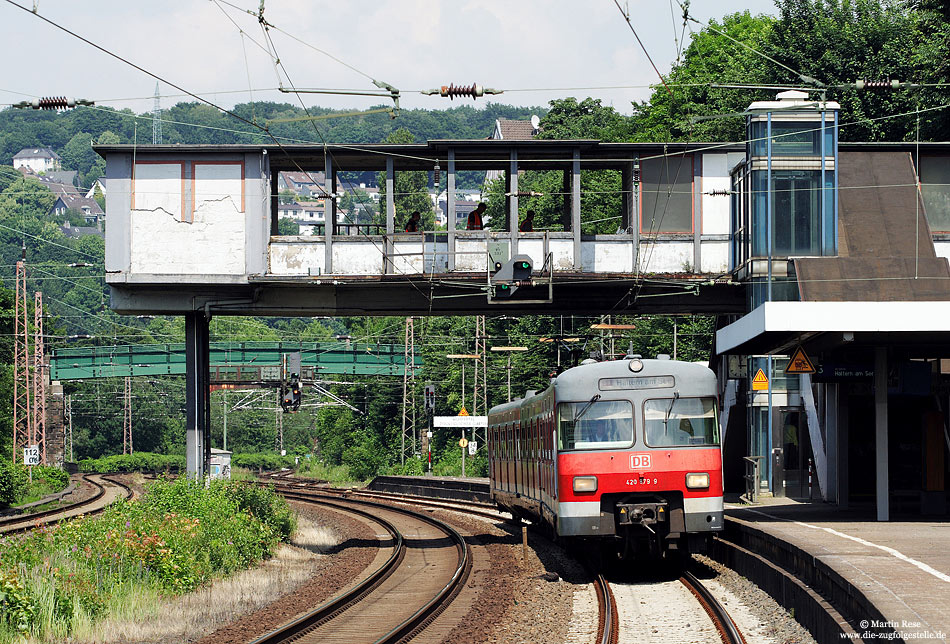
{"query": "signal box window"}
{"type": "Point", "coordinates": [605, 424]}
{"type": "Point", "coordinates": [680, 422]}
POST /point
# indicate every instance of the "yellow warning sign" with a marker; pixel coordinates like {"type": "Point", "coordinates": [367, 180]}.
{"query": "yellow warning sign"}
{"type": "Point", "coordinates": [760, 382]}
{"type": "Point", "coordinates": [800, 363]}
{"type": "Point", "coordinates": [463, 412]}
{"type": "Point", "coordinates": [463, 443]}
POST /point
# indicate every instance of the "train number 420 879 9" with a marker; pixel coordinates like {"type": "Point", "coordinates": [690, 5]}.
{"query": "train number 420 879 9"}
{"type": "Point", "coordinates": [641, 481]}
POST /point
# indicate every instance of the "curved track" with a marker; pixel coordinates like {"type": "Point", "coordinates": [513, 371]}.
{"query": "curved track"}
{"type": "Point", "coordinates": [428, 566]}
{"type": "Point", "coordinates": [728, 630]}
{"type": "Point", "coordinates": [94, 504]}
{"type": "Point", "coordinates": [609, 625]}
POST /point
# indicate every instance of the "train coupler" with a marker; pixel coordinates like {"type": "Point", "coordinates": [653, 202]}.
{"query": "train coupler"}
{"type": "Point", "coordinates": [642, 513]}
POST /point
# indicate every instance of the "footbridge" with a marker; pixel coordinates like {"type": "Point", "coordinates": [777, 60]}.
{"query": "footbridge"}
{"type": "Point", "coordinates": [195, 228]}
{"type": "Point", "coordinates": [233, 362]}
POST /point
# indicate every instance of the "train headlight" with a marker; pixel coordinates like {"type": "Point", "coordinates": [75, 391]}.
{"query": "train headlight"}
{"type": "Point", "coordinates": [696, 480]}
{"type": "Point", "coordinates": [585, 483]}
{"type": "Point", "coordinates": [635, 365]}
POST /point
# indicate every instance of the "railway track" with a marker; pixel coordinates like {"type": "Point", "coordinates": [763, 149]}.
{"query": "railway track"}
{"type": "Point", "coordinates": [428, 565]}
{"type": "Point", "coordinates": [94, 504]}
{"type": "Point", "coordinates": [608, 612]}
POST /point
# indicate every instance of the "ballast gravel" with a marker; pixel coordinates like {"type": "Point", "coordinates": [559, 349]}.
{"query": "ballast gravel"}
{"type": "Point", "coordinates": [756, 614]}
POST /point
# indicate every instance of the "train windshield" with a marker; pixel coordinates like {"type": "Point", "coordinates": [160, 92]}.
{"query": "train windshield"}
{"type": "Point", "coordinates": [680, 422]}
{"type": "Point", "coordinates": [595, 424]}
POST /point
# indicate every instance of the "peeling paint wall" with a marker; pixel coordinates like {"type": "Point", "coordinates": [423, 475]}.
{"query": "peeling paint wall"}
{"type": "Point", "coordinates": [187, 219]}
{"type": "Point", "coordinates": [607, 256]}
{"type": "Point", "coordinates": [666, 256]}
{"type": "Point", "coordinates": [408, 257]}
{"type": "Point", "coordinates": [291, 257]}
{"type": "Point", "coordinates": [472, 254]}
{"type": "Point", "coordinates": [715, 257]}
{"type": "Point", "coordinates": [364, 257]}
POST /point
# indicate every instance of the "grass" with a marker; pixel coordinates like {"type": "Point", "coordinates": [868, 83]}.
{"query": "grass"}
{"type": "Point", "coordinates": [172, 541]}
{"type": "Point", "coordinates": [150, 617]}
{"type": "Point", "coordinates": [336, 474]}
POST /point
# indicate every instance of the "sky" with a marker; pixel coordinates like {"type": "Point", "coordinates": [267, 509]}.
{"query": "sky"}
{"type": "Point", "coordinates": [535, 50]}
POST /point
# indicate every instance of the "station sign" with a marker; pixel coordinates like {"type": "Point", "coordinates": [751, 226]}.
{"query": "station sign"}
{"type": "Point", "coordinates": [31, 455]}
{"type": "Point", "coordinates": [460, 421]}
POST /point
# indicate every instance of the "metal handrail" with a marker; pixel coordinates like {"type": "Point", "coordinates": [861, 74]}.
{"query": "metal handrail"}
{"type": "Point", "coordinates": [751, 478]}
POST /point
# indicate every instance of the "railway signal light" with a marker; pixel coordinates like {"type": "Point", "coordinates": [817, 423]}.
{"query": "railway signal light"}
{"type": "Point", "coordinates": [430, 399]}
{"type": "Point", "coordinates": [512, 274]}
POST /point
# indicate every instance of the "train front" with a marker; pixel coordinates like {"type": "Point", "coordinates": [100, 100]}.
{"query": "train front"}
{"type": "Point", "coordinates": [639, 463]}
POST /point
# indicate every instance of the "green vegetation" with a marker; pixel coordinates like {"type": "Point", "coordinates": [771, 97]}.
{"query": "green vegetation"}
{"type": "Point", "coordinates": [178, 536]}
{"type": "Point", "coordinates": [17, 487]}
{"type": "Point", "coordinates": [137, 462]}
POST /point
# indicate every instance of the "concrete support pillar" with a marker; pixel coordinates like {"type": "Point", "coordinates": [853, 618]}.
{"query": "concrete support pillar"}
{"type": "Point", "coordinates": [513, 201]}
{"type": "Point", "coordinates": [576, 207]}
{"type": "Point", "coordinates": [880, 433]}
{"type": "Point", "coordinates": [450, 209]}
{"type": "Point", "coordinates": [329, 210]}
{"type": "Point", "coordinates": [274, 202]}
{"type": "Point", "coordinates": [197, 395]}
{"type": "Point", "coordinates": [830, 400]}
{"type": "Point", "coordinates": [389, 266]}
{"type": "Point", "coordinates": [566, 194]}
{"type": "Point", "coordinates": [630, 220]}
{"type": "Point", "coordinates": [842, 448]}
{"type": "Point", "coordinates": [697, 212]}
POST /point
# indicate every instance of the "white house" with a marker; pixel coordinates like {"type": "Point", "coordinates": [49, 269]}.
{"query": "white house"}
{"type": "Point", "coordinates": [37, 159]}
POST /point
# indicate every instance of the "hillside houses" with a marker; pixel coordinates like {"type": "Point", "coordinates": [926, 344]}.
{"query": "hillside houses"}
{"type": "Point", "coordinates": [38, 159]}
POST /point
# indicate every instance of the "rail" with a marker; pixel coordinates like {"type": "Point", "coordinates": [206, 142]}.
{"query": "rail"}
{"type": "Point", "coordinates": [410, 626]}
{"type": "Point", "coordinates": [48, 517]}
{"type": "Point", "coordinates": [727, 628]}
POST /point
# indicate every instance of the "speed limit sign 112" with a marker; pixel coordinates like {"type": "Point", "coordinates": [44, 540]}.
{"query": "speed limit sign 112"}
{"type": "Point", "coordinates": [31, 455]}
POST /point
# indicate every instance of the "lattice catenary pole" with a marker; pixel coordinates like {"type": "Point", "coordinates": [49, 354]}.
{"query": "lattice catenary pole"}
{"type": "Point", "coordinates": [22, 422]}
{"type": "Point", "coordinates": [408, 387]}
{"type": "Point", "coordinates": [127, 424]}
{"type": "Point", "coordinates": [480, 401]}
{"type": "Point", "coordinates": [39, 379]}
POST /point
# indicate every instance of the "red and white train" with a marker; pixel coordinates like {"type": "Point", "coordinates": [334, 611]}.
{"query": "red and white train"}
{"type": "Point", "coordinates": [626, 452]}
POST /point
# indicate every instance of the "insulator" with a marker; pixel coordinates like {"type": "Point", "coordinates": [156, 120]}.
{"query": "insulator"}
{"type": "Point", "coordinates": [886, 84]}
{"type": "Point", "coordinates": [53, 103]}
{"type": "Point", "coordinates": [474, 90]}
{"type": "Point", "coordinates": [437, 176]}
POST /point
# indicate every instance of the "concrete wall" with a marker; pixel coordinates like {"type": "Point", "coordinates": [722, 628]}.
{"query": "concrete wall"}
{"type": "Point", "coordinates": [201, 215]}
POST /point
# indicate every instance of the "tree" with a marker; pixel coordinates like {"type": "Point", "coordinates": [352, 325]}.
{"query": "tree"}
{"type": "Point", "coordinates": [410, 191]}
{"type": "Point", "coordinates": [718, 54]}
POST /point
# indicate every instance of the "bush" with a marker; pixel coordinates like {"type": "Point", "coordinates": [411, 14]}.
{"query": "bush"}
{"type": "Point", "coordinates": [13, 482]}
{"type": "Point", "coordinates": [137, 462]}
{"type": "Point", "coordinates": [177, 536]}
{"type": "Point", "coordinates": [56, 479]}
{"type": "Point", "coordinates": [262, 461]}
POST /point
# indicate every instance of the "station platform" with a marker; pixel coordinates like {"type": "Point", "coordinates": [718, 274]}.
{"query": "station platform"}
{"type": "Point", "coordinates": [440, 487]}
{"type": "Point", "coordinates": [890, 580]}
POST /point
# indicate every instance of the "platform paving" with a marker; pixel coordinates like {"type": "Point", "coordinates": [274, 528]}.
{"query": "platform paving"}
{"type": "Point", "coordinates": [902, 567]}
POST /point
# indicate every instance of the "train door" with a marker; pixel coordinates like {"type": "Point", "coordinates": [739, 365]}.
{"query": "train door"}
{"type": "Point", "coordinates": [507, 440]}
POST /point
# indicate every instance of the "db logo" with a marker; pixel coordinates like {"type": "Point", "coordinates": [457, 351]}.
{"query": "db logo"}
{"type": "Point", "coordinates": [640, 461]}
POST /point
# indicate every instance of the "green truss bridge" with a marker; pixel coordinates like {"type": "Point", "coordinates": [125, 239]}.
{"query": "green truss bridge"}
{"type": "Point", "coordinates": [233, 362]}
